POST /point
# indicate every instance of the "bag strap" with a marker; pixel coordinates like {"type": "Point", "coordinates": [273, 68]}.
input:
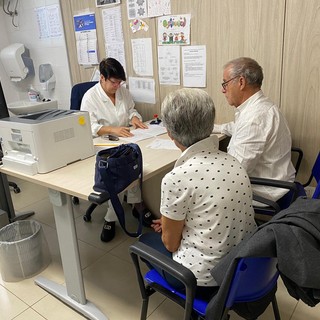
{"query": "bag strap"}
{"type": "Point", "coordinates": [117, 206]}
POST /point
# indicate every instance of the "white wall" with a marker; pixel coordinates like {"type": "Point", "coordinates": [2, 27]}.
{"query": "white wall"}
{"type": "Point", "coordinates": [52, 50]}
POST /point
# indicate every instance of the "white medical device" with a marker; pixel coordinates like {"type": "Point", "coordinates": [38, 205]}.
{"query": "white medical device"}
{"type": "Point", "coordinates": [44, 141]}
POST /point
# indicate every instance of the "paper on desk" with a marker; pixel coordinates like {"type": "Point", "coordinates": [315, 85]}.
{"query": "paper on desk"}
{"type": "Point", "coordinates": [216, 128]}
{"type": "Point", "coordinates": [163, 144]}
{"type": "Point", "coordinates": [143, 134]}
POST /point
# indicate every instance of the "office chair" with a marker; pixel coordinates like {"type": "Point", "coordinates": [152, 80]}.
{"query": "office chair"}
{"type": "Point", "coordinates": [77, 93]}
{"type": "Point", "coordinates": [296, 189]}
{"type": "Point", "coordinates": [253, 279]}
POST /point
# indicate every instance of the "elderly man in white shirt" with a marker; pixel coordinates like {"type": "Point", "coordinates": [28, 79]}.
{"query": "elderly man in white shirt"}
{"type": "Point", "coordinates": [260, 136]}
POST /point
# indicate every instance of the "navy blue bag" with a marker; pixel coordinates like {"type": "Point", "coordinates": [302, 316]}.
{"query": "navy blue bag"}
{"type": "Point", "coordinates": [116, 168]}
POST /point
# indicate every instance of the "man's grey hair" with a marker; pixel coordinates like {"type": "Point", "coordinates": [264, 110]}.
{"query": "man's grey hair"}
{"type": "Point", "coordinates": [188, 115]}
{"type": "Point", "coordinates": [247, 68]}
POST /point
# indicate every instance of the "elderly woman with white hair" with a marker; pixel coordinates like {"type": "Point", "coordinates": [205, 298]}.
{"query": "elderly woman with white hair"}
{"type": "Point", "coordinates": [206, 200]}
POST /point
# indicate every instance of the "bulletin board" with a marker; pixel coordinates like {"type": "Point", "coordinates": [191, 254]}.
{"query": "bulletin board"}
{"type": "Point", "coordinates": [204, 34]}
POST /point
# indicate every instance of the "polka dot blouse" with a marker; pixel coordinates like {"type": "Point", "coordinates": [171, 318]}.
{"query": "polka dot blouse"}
{"type": "Point", "coordinates": [210, 191]}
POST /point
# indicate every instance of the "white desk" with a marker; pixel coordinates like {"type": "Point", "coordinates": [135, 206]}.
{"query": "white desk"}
{"type": "Point", "coordinates": [77, 180]}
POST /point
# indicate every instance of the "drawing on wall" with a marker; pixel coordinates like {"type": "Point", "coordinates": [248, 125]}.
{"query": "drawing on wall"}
{"type": "Point", "coordinates": [137, 9]}
{"type": "Point", "coordinates": [174, 30]}
{"type": "Point", "coordinates": [100, 3]}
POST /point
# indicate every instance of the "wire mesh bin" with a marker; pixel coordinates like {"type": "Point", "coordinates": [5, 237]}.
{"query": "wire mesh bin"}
{"type": "Point", "coordinates": [24, 250]}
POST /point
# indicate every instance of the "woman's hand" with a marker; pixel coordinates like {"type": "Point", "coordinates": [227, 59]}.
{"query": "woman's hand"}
{"type": "Point", "coordinates": [157, 225]}
{"type": "Point", "coordinates": [137, 123]}
{"type": "Point", "coordinates": [121, 132]}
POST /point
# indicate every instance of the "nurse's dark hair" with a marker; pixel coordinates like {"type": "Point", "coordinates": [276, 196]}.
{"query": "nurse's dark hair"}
{"type": "Point", "coordinates": [112, 68]}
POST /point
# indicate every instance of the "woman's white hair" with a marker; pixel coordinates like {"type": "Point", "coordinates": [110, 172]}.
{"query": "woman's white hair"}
{"type": "Point", "coordinates": [188, 115]}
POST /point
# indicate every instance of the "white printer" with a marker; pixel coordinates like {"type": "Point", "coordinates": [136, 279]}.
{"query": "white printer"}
{"type": "Point", "coordinates": [46, 140]}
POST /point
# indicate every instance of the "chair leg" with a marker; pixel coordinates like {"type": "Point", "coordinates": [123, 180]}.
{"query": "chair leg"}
{"type": "Point", "coordinates": [87, 216]}
{"type": "Point", "coordinates": [275, 309]}
{"type": "Point", "coordinates": [144, 308]}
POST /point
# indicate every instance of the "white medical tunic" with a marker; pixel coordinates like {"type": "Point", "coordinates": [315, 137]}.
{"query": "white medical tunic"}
{"type": "Point", "coordinates": [103, 112]}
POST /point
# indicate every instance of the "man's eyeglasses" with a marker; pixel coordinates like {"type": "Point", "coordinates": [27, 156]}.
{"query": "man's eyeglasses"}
{"type": "Point", "coordinates": [225, 84]}
{"type": "Point", "coordinates": [117, 83]}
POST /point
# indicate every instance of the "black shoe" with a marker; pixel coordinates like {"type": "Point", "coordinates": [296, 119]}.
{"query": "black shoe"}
{"type": "Point", "coordinates": [147, 216]}
{"type": "Point", "coordinates": [108, 231]}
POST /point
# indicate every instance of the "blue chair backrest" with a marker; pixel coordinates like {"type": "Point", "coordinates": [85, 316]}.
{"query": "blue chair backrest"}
{"type": "Point", "coordinates": [77, 92]}
{"type": "Point", "coordinates": [316, 169]}
{"type": "Point", "coordinates": [253, 278]}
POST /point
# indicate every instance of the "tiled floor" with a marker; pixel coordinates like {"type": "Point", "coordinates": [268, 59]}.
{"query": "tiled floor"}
{"type": "Point", "coordinates": [109, 277]}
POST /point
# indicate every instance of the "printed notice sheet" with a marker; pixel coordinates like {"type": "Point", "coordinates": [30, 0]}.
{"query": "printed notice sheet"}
{"type": "Point", "coordinates": [194, 66]}
{"type": "Point", "coordinates": [159, 8]}
{"type": "Point", "coordinates": [86, 38]}
{"type": "Point", "coordinates": [142, 56]}
{"type": "Point", "coordinates": [113, 34]}
{"type": "Point", "coordinates": [169, 65]}
{"type": "Point", "coordinates": [142, 90]}
{"type": "Point", "coordinates": [48, 21]}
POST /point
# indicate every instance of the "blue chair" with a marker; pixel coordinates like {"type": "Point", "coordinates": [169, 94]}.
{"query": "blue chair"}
{"type": "Point", "coordinates": [77, 92]}
{"type": "Point", "coordinates": [253, 279]}
{"type": "Point", "coordinates": [296, 189]}
{"type": "Point", "coordinates": [315, 174]}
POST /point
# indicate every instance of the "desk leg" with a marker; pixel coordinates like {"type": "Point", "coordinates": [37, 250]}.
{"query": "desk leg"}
{"type": "Point", "coordinates": [73, 294]}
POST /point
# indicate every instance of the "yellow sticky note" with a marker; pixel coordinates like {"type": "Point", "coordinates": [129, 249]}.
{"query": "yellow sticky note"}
{"type": "Point", "coordinates": [82, 120]}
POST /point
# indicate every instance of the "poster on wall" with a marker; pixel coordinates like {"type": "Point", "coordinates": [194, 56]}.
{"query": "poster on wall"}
{"type": "Point", "coordinates": [113, 34]}
{"type": "Point", "coordinates": [48, 22]}
{"type": "Point", "coordinates": [101, 3]}
{"type": "Point", "coordinates": [194, 66]}
{"type": "Point", "coordinates": [174, 30]}
{"type": "Point", "coordinates": [137, 9]}
{"type": "Point", "coordinates": [159, 8]}
{"type": "Point", "coordinates": [86, 38]}
{"type": "Point", "coordinates": [169, 65]}
{"type": "Point", "coordinates": [142, 60]}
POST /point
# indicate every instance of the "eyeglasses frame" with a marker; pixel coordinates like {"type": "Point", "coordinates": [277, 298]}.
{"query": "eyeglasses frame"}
{"type": "Point", "coordinates": [225, 83]}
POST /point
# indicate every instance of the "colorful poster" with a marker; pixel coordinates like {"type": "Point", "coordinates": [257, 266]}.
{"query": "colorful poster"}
{"type": "Point", "coordinates": [86, 38]}
{"type": "Point", "coordinates": [174, 30]}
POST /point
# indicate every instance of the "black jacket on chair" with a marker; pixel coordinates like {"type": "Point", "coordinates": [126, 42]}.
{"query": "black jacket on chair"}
{"type": "Point", "coordinates": [293, 236]}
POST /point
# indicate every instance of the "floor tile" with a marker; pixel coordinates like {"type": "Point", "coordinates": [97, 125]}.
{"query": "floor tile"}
{"type": "Point", "coordinates": [112, 285]}
{"type": "Point", "coordinates": [303, 311]}
{"type": "Point", "coordinates": [10, 305]}
{"type": "Point", "coordinates": [52, 308]}
{"type": "Point", "coordinates": [29, 314]}
{"type": "Point", "coordinates": [30, 193]}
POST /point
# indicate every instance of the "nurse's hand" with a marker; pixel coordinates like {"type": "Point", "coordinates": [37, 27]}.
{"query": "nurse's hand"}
{"type": "Point", "coordinates": [135, 121]}
{"type": "Point", "coordinates": [121, 132]}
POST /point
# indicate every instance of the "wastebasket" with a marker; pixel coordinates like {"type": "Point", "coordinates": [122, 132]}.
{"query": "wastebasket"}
{"type": "Point", "coordinates": [24, 250]}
